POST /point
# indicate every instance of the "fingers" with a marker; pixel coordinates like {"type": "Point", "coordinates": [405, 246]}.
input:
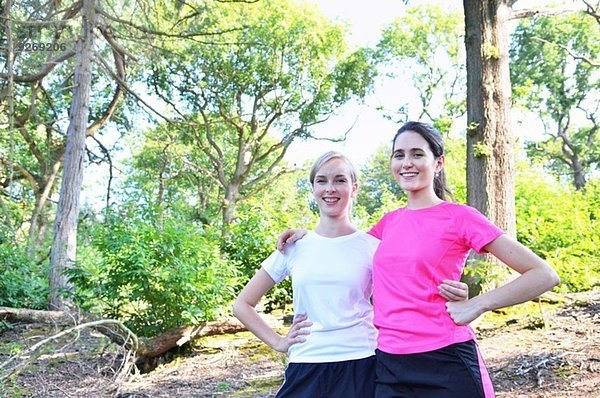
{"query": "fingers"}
{"type": "Point", "coordinates": [287, 236]}
{"type": "Point", "coordinates": [299, 329]}
{"type": "Point", "coordinates": [299, 318]}
{"type": "Point", "coordinates": [281, 240]}
{"type": "Point", "coordinates": [450, 295]}
{"type": "Point", "coordinates": [455, 284]}
{"type": "Point", "coordinates": [454, 290]}
{"type": "Point", "coordinates": [300, 322]}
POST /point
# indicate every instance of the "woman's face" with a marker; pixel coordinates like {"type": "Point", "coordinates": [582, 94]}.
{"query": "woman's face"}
{"type": "Point", "coordinates": [334, 189]}
{"type": "Point", "coordinates": [413, 164]}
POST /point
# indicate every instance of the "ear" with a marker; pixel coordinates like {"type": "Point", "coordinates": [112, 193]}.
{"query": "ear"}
{"type": "Point", "coordinates": [439, 163]}
{"type": "Point", "coordinates": [354, 190]}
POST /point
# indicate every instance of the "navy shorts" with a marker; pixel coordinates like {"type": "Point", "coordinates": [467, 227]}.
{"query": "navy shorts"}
{"type": "Point", "coordinates": [344, 379]}
{"type": "Point", "coordinates": [455, 371]}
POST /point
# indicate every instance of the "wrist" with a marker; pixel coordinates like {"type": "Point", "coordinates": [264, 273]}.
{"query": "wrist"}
{"type": "Point", "coordinates": [481, 305]}
{"type": "Point", "coordinates": [278, 344]}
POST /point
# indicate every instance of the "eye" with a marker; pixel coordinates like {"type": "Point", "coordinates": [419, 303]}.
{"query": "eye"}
{"type": "Point", "coordinates": [341, 180]}
{"type": "Point", "coordinates": [398, 155]}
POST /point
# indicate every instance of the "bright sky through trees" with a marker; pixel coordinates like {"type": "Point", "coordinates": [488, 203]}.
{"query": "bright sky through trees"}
{"type": "Point", "coordinates": [369, 128]}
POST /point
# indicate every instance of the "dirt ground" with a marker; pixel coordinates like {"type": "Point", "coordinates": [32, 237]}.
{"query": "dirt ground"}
{"type": "Point", "coordinates": [545, 351]}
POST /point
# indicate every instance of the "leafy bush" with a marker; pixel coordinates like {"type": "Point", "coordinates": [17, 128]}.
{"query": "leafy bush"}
{"type": "Point", "coordinates": [253, 235]}
{"type": "Point", "coordinates": [24, 283]}
{"type": "Point", "coordinates": [561, 225]}
{"type": "Point", "coordinates": [154, 278]}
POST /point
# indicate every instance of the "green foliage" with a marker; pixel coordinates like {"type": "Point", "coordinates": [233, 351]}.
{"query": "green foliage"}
{"type": "Point", "coordinates": [378, 190]}
{"type": "Point", "coordinates": [24, 283]}
{"type": "Point", "coordinates": [253, 235]}
{"type": "Point", "coordinates": [426, 45]}
{"type": "Point", "coordinates": [456, 175]}
{"type": "Point", "coordinates": [482, 275]}
{"type": "Point", "coordinates": [278, 69]}
{"type": "Point", "coordinates": [561, 225]}
{"type": "Point", "coordinates": [154, 278]}
{"type": "Point", "coordinates": [482, 150]}
{"type": "Point", "coordinates": [170, 171]}
{"type": "Point", "coordinates": [550, 78]}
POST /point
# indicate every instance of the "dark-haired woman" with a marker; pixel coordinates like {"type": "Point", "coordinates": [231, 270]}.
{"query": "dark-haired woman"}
{"type": "Point", "coordinates": [425, 346]}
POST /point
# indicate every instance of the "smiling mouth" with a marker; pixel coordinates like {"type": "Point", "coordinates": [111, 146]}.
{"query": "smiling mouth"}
{"type": "Point", "coordinates": [411, 174]}
{"type": "Point", "coordinates": [331, 200]}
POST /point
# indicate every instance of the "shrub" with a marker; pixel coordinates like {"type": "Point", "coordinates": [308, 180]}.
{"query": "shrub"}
{"type": "Point", "coordinates": [154, 278]}
{"type": "Point", "coordinates": [561, 225]}
{"type": "Point", "coordinates": [24, 283]}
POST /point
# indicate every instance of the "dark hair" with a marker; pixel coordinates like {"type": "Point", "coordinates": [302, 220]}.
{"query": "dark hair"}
{"type": "Point", "coordinates": [436, 145]}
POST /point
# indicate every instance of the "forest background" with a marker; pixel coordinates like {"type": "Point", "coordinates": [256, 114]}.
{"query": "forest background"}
{"type": "Point", "coordinates": [193, 111]}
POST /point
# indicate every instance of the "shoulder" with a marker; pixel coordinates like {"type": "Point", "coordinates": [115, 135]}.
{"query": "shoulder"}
{"type": "Point", "coordinates": [366, 238]}
{"type": "Point", "coordinates": [391, 215]}
{"type": "Point", "coordinates": [461, 210]}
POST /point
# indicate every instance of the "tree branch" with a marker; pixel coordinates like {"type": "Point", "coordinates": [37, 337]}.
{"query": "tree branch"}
{"type": "Point", "coordinates": [592, 10]}
{"type": "Point", "coordinates": [165, 34]}
{"type": "Point", "coordinates": [47, 68]}
{"type": "Point", "coordinates": [540, 12]}
{"type": "Point", "coordinates": [569, 51]}
{"type": "Point", "coordinates": [126, 88]}
{"type": "Point", "coordinates": [120, 73]}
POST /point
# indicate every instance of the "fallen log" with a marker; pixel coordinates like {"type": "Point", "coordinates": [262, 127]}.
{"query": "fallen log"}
{"type": "Point", "coordinates": [145, 349]}
{"type": "Point", "coordinates": [177, 337]}
{"type": "Point", "coordinates": [38, 316]}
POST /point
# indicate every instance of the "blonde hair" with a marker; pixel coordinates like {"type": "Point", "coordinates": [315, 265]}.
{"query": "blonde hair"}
{"type": "Point", "coordinates": [326, 157]}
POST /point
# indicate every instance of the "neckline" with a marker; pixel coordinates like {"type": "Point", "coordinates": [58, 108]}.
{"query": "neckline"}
{"type": "Point", "coordinates": [427, 208]}
{"type": "Point", "coordinates": [341, 237]}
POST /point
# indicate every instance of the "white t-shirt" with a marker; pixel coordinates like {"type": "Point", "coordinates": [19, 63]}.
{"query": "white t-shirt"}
{"type": "Point", "coordinates": [332, 285]}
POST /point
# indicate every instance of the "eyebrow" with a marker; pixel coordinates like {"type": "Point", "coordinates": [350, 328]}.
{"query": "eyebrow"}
{"type": "Point", "coordinates": [411, 149]}
{"type": "Point", "coordinates": [337, 176]}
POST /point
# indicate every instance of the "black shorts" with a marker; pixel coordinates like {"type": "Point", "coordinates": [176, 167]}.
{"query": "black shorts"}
{"type": "Point", "coordinates": [455, 371]}
{"type": "Point", "coordinates": [345, 379]}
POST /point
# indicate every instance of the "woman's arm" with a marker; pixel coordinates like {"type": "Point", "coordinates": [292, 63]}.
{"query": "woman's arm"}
{"type": "Point", "coordinates": [244, 309]}
{"type": "Point", "coordinates": [536, 278]}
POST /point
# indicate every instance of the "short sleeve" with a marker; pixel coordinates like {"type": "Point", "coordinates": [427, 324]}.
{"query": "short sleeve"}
{"type": "Point", "coordinates": [377, 230]}
{"type": "Point", "coordinates": [276, 265]}
{"type": "Point", "coordinates": [476, 230]}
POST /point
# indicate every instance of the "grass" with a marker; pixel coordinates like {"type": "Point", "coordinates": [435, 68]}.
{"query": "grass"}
{"type": "Point", "coordinates": [532, 314]}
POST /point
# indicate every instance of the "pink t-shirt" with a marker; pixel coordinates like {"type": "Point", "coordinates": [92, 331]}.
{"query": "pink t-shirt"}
{"type": "Point", "coordinates": [418, 250]}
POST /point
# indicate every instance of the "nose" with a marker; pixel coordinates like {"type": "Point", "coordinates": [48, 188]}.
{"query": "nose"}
{"type": "Point", "coordinates": [406, 162]}
{"type": "Point", "coordinates": [330, 187]}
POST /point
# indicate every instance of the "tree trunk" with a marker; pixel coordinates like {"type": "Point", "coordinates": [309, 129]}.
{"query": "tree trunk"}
{"type": "Point", "coordinates": [579, 176]}
{"type": "Point", "coordinates": [36, 227]}
{"type": "Point", "coordinates": [490, 144]}
{"type": "Point", "coordinates": [232, 193]}
{"type": "Point", "coordinates": [63, 253]}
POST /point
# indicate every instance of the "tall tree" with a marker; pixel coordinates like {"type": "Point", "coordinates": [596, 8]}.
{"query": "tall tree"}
{"type": "Point", "coordinates": [556, 74]}
{"type": "Point", "coordinates": [64, 243]}
{"type": "Point", "coordinates": [43, 72]}
{"type": "Point", "coordinates": [257, 89]}
{"type": "Point", "coordinates": [490, 143]}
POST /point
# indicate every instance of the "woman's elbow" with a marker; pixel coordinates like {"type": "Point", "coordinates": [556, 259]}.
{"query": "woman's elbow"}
{"type": "Point", "coordinates": [552, 278]}
{"type": "Point", "coordinates": [237, 308]}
